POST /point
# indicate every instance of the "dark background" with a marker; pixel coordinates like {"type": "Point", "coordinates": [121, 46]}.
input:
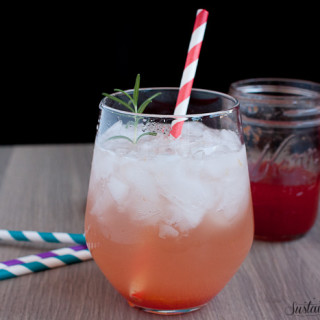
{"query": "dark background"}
{"type": "Point", "coordinates": [58, 59]}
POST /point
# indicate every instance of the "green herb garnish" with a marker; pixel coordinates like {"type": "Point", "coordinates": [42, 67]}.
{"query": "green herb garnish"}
{"type": "Point", "coordinates": [132, 105]}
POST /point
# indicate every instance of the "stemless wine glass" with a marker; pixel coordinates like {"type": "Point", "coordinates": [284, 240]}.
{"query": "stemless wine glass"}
{"type": "Point", "coordinates": [169, 220]}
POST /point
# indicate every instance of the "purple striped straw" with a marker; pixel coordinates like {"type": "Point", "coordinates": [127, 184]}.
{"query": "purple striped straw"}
{"type": "Point", "coordinates": [43, 255]}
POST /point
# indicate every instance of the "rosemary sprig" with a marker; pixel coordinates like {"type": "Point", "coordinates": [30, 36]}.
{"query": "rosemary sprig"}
{"type": "Point", "coordinates": [132, 105]}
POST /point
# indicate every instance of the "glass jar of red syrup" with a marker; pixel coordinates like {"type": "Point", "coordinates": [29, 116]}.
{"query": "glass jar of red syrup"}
{"type": "Point", "coordinates": [281, 122]}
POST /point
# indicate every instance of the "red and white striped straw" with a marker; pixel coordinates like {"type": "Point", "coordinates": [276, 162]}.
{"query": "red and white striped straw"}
{"type": "Point", "coordinates": [189, 71]}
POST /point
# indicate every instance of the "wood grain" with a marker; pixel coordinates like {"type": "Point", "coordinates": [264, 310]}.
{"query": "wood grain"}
{"type": "Point", "coordinates": [44, 188]}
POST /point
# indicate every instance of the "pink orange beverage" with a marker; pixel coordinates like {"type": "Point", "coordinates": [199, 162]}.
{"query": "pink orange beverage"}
{"type": "Point", "coordinates": [169, 221]}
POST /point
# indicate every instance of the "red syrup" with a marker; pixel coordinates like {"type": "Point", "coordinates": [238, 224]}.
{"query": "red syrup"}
{"type": "Point", "coordinates": [285, 201]}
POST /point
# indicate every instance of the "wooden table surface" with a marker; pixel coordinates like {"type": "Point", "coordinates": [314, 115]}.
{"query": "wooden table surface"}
{"type": "Point", "coordinates": [44, 188]}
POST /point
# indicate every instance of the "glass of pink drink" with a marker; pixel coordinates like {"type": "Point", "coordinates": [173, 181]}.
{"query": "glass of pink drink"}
{"type": "Point", "coordinates": [169, 221]}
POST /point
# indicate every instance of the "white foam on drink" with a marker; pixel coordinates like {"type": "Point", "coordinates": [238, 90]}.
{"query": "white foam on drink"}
{"type": "Point", "coordinates": [172, 183]}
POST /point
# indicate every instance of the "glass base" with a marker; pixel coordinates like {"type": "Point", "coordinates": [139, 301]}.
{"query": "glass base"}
{"type": "Point", "coordinates": [164, 312]}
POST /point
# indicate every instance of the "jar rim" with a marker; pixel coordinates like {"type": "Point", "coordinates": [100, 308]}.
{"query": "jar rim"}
{"type": "Point", "coordinates": [280, 90]}
{"type": "Point", "coordinates": [278, 102]}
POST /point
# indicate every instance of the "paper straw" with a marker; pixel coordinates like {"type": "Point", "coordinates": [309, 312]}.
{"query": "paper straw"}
{"type": "Point", "coordinates": [40, 256]}
{"type": "Point", "coordinates": [46, 262]}
{"type": "Point", "coordinates": [36, 236]}
{"type": "Point", "coordinates": [189, 71]}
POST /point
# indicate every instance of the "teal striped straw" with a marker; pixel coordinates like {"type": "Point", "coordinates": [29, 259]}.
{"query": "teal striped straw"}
{"type": "Point", "coordinates": [36, 236]}
{"type": "Point", "coordinates": [43, 261]}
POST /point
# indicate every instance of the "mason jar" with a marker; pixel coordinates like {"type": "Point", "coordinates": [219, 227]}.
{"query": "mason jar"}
{"type": "Point", "coordinates": [281, 122]}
